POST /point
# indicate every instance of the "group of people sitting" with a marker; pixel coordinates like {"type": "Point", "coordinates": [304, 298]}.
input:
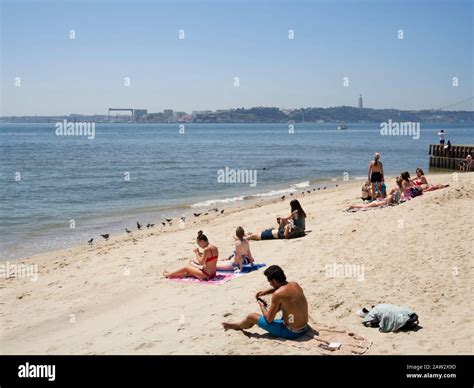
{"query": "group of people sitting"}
{"type": "Point", "coordinates": [375, 192]}
{"type": "Point", "coordinates": [287, 297]}
{"type": "Point", "coordinates": [206, 263]}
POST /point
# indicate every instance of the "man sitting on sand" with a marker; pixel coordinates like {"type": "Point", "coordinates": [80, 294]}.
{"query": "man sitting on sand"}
{"type": "Point", "coordinates": [287, 297]}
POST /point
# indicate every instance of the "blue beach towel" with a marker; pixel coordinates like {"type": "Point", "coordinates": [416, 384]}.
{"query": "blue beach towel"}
{"type": "Point", "coordinates": [248, 268]}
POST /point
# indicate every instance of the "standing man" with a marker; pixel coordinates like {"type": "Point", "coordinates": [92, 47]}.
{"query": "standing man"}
{"type": "Point", "coordinates": [287, 297]}
{"type": "Point", "coordinates": [441, 135]}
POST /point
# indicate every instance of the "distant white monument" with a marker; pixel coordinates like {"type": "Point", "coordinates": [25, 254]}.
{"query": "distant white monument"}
{"type": "Point", "coordinates": [361, 105]}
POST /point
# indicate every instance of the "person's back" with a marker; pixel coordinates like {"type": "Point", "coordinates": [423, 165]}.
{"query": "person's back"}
{"type": "Point", "coordinates": [299, 220]}
{"type": "Point", "coordinates": [294, 305]}
{"type": "Point", "coordinates": [376, 166]}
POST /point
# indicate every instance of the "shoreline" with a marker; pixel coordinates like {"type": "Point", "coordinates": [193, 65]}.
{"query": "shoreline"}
{"type": "Point", "coordinates": [110, 298]}
{"type": "Point", "coordinates": [178, 210]}
{"type": "Point", "coordinates": [185, 209]}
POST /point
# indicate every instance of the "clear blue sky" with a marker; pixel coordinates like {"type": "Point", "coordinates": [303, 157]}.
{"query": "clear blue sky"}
{"type": "Point", "coordinates": [223, 40]}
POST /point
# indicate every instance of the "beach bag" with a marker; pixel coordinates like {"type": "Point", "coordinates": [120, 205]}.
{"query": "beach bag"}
{"type": "Point", "coordinates": [416, 191]}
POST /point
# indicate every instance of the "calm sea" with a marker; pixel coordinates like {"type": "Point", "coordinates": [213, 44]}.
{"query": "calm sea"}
{"type": "Point", "coordinates": [133, 172]}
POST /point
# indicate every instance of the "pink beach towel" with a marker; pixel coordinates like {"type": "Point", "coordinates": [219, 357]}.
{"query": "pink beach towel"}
{"type": "Point", "coordinates": [220, 278]}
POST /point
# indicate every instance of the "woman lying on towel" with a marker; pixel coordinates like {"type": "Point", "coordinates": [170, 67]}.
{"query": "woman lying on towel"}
{"type": "Point", "coordinates": [204, 266]}
{"type": "Point", "coordinates": [288, 232]}
{"type": "Point", "coordinates": [422, 182]}
{"type": "Point", "coordinates": [394, 197]}
{"type": "Point", "coordinates": [241, 255]}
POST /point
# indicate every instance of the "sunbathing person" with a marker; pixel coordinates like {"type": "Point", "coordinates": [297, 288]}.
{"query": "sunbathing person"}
{"type": "Point", "coordinates": [367, 194]}
{"type": "Point", "coordinates": [288, 232]}
{"type": "Point", "coordinates": [204, 267]}
{"type": "Point", "coordinates": [241, 255]}
{"type": "Point", "coordinates": [297, 216]}
{"type": "Point", "coordinates": [395, 196]}
{"type": "Point", "coordinates": [423, 184]}
{"type": "Point", "coordinates": [287, 297]}
{"type": "Point", "coordinates": [466, 165]}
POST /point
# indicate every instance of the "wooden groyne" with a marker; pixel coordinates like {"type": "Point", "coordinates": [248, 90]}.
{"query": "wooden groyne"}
{"type": "Point", "coordinates": [449, 158]}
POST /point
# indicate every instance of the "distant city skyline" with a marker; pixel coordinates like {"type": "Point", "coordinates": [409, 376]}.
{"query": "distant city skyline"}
{"type": "Point", "coordinates": [84, 57]}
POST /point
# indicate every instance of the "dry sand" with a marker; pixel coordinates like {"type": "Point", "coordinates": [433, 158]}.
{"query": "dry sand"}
{"type": "Point", "coordinates": [110, 298]}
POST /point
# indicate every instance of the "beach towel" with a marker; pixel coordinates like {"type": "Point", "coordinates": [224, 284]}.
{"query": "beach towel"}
{"type": "Point", "coordinates": [221, 276]}
{"type": "Point", "coordinates": [317, 339]}
{"type": "Point", "coordinates": [246, 268]}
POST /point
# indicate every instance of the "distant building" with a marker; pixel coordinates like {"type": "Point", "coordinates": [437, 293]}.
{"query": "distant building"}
{"type": "Point", "coordinates": [361, 105]}
{"type": "Point", "coordinates": [168, 113]}
{"type": "Point", "coordinates": [178, 115]}
{"type": "Point", "coordinates": [139, 113]}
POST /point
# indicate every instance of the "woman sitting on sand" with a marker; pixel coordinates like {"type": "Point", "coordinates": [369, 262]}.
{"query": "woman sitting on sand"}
{"type": "Point", "coordinates": [367, 194]}
{"type": "Point", "coordinates": [408, 184]}
{"type": "Point", "coordinates": [241, 255]}
{"type": "Point", "coordinates": [422, 182]}
{"type": "Point", "coordinates": [204, 267]}
{"type": "Point", "coordinates": [297, 216]}
{"type": "Point", "coordinates": [394, 197]}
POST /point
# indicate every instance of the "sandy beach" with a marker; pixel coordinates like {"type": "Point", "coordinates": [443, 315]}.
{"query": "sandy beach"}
{"type": "Point", "coordinates": [111, 298]}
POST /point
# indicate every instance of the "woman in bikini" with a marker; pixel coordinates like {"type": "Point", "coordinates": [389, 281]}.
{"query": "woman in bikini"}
{"type": "Point", "coordinates": [422, 182]}
{"type": "Point", "coordinates": [297, 216]}
{"type": "Point", "coordinates": [241, 255]}
{"type": "Point", "coordinates": [375, 173]}
{"type": "Point", "coordinates": [204, 266]}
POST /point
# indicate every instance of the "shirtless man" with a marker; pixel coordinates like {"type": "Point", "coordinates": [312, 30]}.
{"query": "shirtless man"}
{"type": "Point", "coordinates": [287, 297]}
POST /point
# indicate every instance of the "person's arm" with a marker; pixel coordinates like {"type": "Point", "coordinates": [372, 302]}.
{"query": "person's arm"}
{"type": "Point", "coordinates": [249, 254]}
{"type": "Point", "coordinates": [381, 171]}
{"type": "Point", "coordinates": [270, 313]}
{"type": "Point", "coordinates": [265, 292]}
{"type": "Point", "coordinates": [370, 169]}
{"type": "Point", "coordinates": [203, 258]}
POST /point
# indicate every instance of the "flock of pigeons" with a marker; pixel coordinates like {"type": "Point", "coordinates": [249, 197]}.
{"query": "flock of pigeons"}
{"type": "Point", "coordinates": [308, 191]}
{"type": "Point", "coordinates": [169, 221]}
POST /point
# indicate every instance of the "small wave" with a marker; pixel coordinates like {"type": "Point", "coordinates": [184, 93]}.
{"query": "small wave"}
{"type": "Point", "coordinates": [301, 185]}
{"type": "Point", "coordinates": [211, 202]}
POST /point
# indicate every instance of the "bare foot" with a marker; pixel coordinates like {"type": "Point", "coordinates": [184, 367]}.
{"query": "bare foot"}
{"type": "Point", "coordinates": [166, 274]}
{"type": "Point", "coordinates": [230, 326]}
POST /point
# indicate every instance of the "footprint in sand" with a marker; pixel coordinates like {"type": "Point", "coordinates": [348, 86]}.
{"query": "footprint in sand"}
{"type": "Point", "coordinates": [145, 345]}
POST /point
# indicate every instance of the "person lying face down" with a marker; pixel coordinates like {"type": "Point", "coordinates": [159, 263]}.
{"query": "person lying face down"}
{"type": "Point", "coordinates": [204, 266]}
{"type": "Point", "coordinates": [287, 297]}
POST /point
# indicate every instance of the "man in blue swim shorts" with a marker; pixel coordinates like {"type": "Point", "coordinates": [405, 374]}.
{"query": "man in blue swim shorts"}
{"type": "Point", "coordinates": [287, 297]}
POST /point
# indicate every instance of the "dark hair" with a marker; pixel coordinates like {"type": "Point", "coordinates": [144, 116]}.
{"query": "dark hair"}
{"type": "Point", "coordinates": [405, 175]}
{"type": "Point", "coordinates": [420, 170]}
{"type": "Point", "coordinates": [274, 272]}
{"type": "Point", "coordinates": [295, 205]}
{"type": "Point", "coordinates": [240, 233]}
{"type": "Point", "coordinates": [201, 236]}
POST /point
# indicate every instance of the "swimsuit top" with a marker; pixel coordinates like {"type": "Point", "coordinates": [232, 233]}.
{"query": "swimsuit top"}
{"type": "Point", "coordinates": [212, 258]}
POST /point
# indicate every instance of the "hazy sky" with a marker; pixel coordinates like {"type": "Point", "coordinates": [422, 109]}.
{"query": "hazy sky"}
{"type": "Point", "coordinates": [224, 40]}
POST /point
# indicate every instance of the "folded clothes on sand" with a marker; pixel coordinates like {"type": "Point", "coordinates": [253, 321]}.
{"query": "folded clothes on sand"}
{"type": "Point", "coordinates": [390, 317]}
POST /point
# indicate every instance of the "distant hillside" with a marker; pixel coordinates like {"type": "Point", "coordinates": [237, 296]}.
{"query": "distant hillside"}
{"type": "Point", "coordinates": [276, 115]}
